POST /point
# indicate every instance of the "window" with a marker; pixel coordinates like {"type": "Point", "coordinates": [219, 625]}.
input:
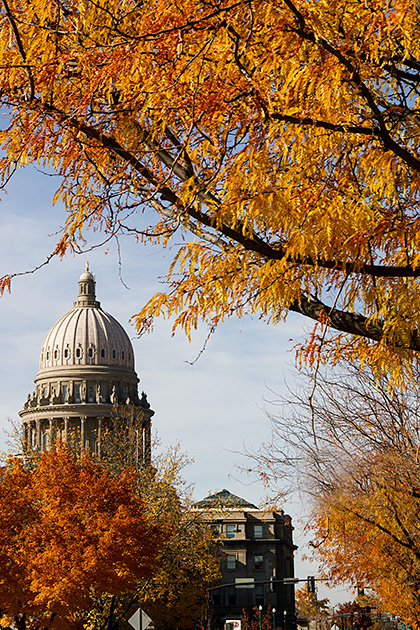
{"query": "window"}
{"type": "Point", "coordinates": [258, 531]}
{"type": "Point", "coordinates": [90, 353]}
{"type": "Point", "coordinates": [216, 597]}
{"type": "Point", "coordinates": [103, 353]}
{"type": "Point", "coordinates": [231, 562]}
{"type": "Point", "coordinates": [216, 528]}
{"type": "Point", "coordinates": [66, 353]}
{"type": "Point", "coordinates": [48, 355]}
{"type": "Point", "coordinates": [114, 354]}
{"type": "Point", "coordinates": [122, 355]}
{"type": "Point", "coordinates": [259, 595]}
{"type": "Point", "coordinates": [78, 353]}
{"type": "Point", "coordinates": [259, 562]}
{"type": "Point", "coordinates": [77, 393]}
{"type": "Point", "coordinates": [230, 531]}
{"type": "Point", "coordinates": [55, 354]}
{"type": "Point", "coordinates": [231, 596]}
{"type": "Point", "coordinates": [91, 393]}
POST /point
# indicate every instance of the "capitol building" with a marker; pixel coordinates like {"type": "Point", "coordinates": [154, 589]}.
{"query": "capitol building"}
{"type": "Point", "coordinates": [86, 371]}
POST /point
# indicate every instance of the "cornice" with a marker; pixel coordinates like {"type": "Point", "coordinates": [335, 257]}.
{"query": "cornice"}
{"type": "Point", "coordinates": [96, 410]}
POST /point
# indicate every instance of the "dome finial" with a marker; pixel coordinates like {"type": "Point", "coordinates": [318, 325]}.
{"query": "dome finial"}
{"type": "Point", "coordinates": [87, 266]}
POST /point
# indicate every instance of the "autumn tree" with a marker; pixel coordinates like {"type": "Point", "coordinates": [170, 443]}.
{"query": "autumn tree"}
{"type": "Point", "coordinates": [177, 592]}
{"type": "Point", "coordinates": [69, 533]}
{"type": "Point", "coordinates": [122, 441]}
{"type": "Point", "coordinates": [251, 619]}
{"type": "Point", "coordinates": [354, 615]}
{"type": "Point", "coordinates": [353, 450]}
{"type": "Point", "coordinates": [309, 607]}
{"type": "Point", "coordinates": [282, 136]}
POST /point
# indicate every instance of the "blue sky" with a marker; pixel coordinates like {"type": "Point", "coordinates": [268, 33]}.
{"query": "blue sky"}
{"type": "Point", "coordinates": [213, 408]}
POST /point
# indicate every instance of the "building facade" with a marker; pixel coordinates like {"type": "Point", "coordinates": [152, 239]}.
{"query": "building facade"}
{"type": "Point", "coordinates": [86, 368]}
{"type": "Point", "coordinates": [256, 555]}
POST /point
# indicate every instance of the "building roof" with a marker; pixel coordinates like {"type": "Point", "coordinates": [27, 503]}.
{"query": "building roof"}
{"type": "Point", "coordinates": [225, 499]}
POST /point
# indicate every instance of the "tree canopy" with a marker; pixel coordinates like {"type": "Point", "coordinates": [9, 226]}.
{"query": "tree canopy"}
{"type": "Point", "coordinates": [70, 533]}
{"type": "Point", "coordinates": [177, 594]}
{"type": "Point", "coordinates": [353, 450]}
{"type": "Point", "coordinates": [188, 562]}
{"type": "Point", "coordinates": [283, 135]}
{"type": "Point", "coordinates": [309, 607]}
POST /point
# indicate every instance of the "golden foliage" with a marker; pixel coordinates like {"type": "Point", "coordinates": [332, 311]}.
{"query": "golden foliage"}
{"type": "Point", "coordinates": [309, 607]}
{"type": "Point", "coordinates": [177, 592]}
{"type": "Point", "coordinates": [351, 447]}
{"type": "Point", "coordinates": [354, 450]}
{"type": "Point", "coordinates": [284, 135]}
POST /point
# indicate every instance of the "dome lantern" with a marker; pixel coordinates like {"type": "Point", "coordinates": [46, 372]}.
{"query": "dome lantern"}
{"type": "Point", "coordinates": [87, 292]}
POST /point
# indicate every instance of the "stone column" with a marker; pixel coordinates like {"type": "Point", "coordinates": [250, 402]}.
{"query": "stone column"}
{"type": "Point", "coordinates": [50, 434]}
{"type": "Point", "coordinates": [25, 437]}
{"type": "Point", "coordinates": [147, 444]}
{"type": "Point", "coordinates": [99, 438]}
{"type": "Point", "coordinates": [140, 446]}
{"type": "Point", "coordinates": [82, 432]}
{"type": "Point", "coordinates": [38, 434]}
{"type": "Point", "coordinates": [31, 435]}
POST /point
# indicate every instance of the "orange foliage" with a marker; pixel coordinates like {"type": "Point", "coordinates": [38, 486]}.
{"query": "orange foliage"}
{"type": "Point", "coordinates": [284, 135]}
{"type": "Point", "coordinates": [69, 531]}
{"type": "Point", "coordinates": [351, 445]}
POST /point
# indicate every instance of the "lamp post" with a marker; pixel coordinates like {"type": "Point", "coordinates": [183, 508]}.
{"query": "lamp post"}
{"type": "Point", "coordinates": [260, 615]}
{"type": "Point", "coordinates": [285, 620]}
{"type": "Point", "coordinates": [274, 619]}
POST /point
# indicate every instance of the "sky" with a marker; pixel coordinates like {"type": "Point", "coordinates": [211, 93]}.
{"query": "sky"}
{"type": "Point", "coordinates": [214, 407]}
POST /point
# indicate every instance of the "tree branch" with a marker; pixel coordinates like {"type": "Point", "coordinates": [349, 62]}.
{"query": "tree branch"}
{"type": "Point", "coordinates": [347, 322]}
{"type": "Point", "coordinates": [21, 49]}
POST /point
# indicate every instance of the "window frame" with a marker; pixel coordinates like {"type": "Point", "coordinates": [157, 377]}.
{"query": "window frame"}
{"type": "Point", "coordinates": [230, 530]}
{"type": "Point", "coordinates": [231, 561]}
{"type": "Point", "coordinates": [258, 527]}
{"type": "Point", "coordinates": [258, 563]}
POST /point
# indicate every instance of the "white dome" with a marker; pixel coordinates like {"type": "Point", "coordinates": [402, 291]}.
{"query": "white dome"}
{"type": "Point", "coordinates": [86, 336]}
{"type": "Point", "coordinates": [86, 368]}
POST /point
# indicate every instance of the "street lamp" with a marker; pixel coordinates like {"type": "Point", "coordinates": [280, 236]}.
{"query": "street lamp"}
{"type": "Point", "coordinates": [284, 620]}
{"type": "Point", "coordinates": [274, 619]}
{"type": "Point", "coordinates": [260, 615]}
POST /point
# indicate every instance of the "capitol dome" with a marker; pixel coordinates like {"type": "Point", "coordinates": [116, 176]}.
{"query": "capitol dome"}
{"type": "Point", "coordinates": [86, 367]}
{"type": "Point", "coordinates": [86, 335]}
